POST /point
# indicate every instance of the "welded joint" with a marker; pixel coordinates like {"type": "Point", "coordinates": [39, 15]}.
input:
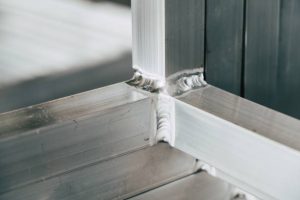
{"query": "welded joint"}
{"type": "Point", "coordinates": [238, 194]}
{"type": "Point", "coordinates": [165, 112]}
{"type": "Point", "coordinates": [185, 81]}
{"type": "Point", "coordinates": [176, 84]}
{"type": "Point", "coordinates": [204, 167]}
{"type": "Point", "coordinates": [146, 82]}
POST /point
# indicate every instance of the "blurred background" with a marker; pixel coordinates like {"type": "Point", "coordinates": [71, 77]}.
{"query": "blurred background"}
{"type": "Point", "coordinates": [54, 48]}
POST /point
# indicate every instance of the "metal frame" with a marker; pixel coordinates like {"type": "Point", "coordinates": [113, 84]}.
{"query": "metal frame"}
{"type": "Point", "coordinates": [247, 143]}
{"type": "Point", "coordinates": [251, 146]}
{"type": "Point", "coordinates": [86, 146]}
{"type": "Point", "coordinates": [98, 144]}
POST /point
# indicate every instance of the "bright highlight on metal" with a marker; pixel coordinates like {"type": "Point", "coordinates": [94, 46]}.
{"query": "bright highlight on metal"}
{"type": "Point", "coordinates": [149, 37]}
{"type": "Point", "coordinates": [99, 144]}
{"type": "Point", "coordinates": [167, 36]}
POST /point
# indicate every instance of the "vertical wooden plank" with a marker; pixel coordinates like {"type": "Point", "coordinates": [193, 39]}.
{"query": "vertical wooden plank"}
{"type": "Point", "coordinates": [261, 51]}
{"type": "Point", "coordinates": [224, 43]}
{"type": "Point", "coordinates": [288, 81]}
{"type": "Point", "coordinates": [184, 35]}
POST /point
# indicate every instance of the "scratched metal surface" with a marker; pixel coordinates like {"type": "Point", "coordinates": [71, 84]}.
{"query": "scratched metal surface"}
{"type": "Point", "coordinates": [18, 122]}
{"type": "Point", "coordinates": [117, 178]}
{"type": "Point", "coordinates": [45, 141]}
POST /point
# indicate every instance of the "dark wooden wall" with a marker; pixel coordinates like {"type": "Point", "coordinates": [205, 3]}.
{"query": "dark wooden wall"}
{"type": "Point", "coordinates": [253, 50]}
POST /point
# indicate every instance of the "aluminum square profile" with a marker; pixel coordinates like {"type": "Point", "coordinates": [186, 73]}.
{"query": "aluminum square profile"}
{"type": "Point", "coordinates": [168, 36]}
{"type": "Point", "coordinates": [118, 178]}
{"type": "Point", "coordinates": [194, 187]}
{"type": "Point", "coordinates": [251, 146]}
{"type": "Point", "coordinates": [93, 145]}
{"type": "Point", "coordinates": [58, 137]}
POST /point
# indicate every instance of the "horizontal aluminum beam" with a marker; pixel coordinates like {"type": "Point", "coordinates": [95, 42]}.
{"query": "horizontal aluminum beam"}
{"type": "Point", "coordinates": [48, 140]}
{"type": "Point", "coordinates": [117, 178]}
{"type": "Point", "coordinates": [251, 146]}
{"type": "Point", "coordinates": [56, 148]}
{"type": "Point", "coordinates": [194, 187]}
{"type": "Point", "coordinates": [69, 109]}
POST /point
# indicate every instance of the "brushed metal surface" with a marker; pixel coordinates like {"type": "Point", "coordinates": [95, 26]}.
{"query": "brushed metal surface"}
{"type": "Point", "coordinates": [117, 178]}
{"type": "Point", "coordinates": [288, 82]}
{"type": "Point", "coordinates": [254, 117]}
{"type": "Point", "coordinates": [15, 123]}
{"type": "Point", "coordinates": [253, 147]}
{"type": "Point", "coordinates": [261, 51]}
{"type": "Point", "coordinates": [272, 60]}
{"type": "Point", "coordinates": [148, 36]}
{"type": "Point", "coordinates": [56, 138]}
{"type": "Point", "coordinates": [184, 35]}
{"type": "Point", "coordinates": [168, 36]}
{"type": "Point", "coordinates": [224, 44]}
{"type": "Point", "coordinates": [194, 187]}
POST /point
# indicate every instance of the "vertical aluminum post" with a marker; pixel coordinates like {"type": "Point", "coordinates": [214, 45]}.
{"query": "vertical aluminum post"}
{"type": "Point", "coordinates": [168, 36]}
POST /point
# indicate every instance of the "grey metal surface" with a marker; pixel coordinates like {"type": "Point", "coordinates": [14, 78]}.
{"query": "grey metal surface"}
{"type": "Point", "coordinates": [48, 140]}
{"type": "Point", "coordinates": [261, 52]}
{"type": "Point", "coordinates": [184, 39]}
{"type": "Point", "coordinates": [168, 36]}
{"type": "Point", "coordinates": [194, 187]}
{"type": "Point", "coordinates": [288, 82]}
{"type": "Point", "coordinates": [266, 68]}
{"type": "Point", "coordinates": [270, 53]}
{"type": "Point", "coordinates": [16, 123]}
{"type": "Point", "coordinates": [224, 44]}
{"type": "Point", "coordinates": [254, 147]}
{"type": "Point", "coordinates": [247, 114]}
{"type": "Point", "coordinates": [117, 178]}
